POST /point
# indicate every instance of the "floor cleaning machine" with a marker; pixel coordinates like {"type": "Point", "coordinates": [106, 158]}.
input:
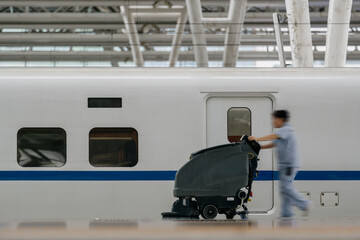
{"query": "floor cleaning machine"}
{"type": "Point", "coordinates": [216, 180]}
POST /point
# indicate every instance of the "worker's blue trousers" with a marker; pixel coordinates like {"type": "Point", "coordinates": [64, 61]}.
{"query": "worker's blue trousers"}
{"type": "Point", "coordinates": [289, 196]}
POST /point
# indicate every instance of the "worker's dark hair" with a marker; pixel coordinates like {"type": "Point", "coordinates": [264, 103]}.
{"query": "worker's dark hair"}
{"type": "Point", "coordinates": [283, 114]}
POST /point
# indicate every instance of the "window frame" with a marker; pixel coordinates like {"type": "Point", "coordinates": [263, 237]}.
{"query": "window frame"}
{"type": "Point", "coordinates": [136, 141]}
{"type": "Point", "coordinates": [41, 128]}
{"type": "Point", "coordinates": [227, 120]}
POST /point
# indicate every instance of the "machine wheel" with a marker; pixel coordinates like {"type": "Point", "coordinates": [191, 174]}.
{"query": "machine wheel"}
{"type": "Point", "coordinates": [230, 214]}
{"type": "Point", "coordinates": [209, 212]}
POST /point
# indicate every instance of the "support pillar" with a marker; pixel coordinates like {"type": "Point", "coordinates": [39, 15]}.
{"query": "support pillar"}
{"type": "Point", "coordinates": [133, 35]}
{"type": "Point", "coordinates": [198, 32]}
{"type": "Point", "coordinates": [300, 32]}
{"type": "Point", "coordinates": [337, 33]}
{"type": "Point", "coordinates": [176, 43]}
{"type": "Point", "coordinates": [237, 11]}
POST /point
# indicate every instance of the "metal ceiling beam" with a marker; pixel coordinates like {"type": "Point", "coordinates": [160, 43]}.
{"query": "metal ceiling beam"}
{"type": "Point", "coordinates": [237, 13]}
{"type": "Point", "coordinates": [130, 13]}
{"type": "Point", "coordinates": [115, 18]}
{"type": "Point", "coordinates": [148, 56]}
{"type": "Point", "coordinates": [73, 39]}
{"type": "Point", "coordinates": [115, 3]}
{"type": "Point", "coordinates": [177, 39]}
{"type": "Point", "coordinates": [133, 36]}
{"type": "Point", "coordinates": [279, 40]}
{"type": "Point", "coordinates": [161, 25]}
{"type": "Point", "coordinates": [233, 22]}
{"type": "Point", "coordinates": [197, 32]}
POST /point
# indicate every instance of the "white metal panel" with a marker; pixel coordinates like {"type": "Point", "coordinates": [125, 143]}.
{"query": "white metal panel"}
{"type": "Point", "coordinates": [84, 200]}
{"type": "Point", "coordinates": [216, 130]}
{"type": "Point", "coordinates": [167, 108]}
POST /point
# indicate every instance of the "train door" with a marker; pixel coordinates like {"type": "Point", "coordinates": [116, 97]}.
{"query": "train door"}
{"type": "Point", "coordinates": [227, 119]}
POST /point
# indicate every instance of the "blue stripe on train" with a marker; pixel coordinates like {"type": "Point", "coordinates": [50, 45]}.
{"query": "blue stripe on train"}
{"type": "Point", "coordinates": [87, 175]}
{"type": "Point", "coordinates": [159, 175]}
{"type": "Point", "coordinates": [314, 176]}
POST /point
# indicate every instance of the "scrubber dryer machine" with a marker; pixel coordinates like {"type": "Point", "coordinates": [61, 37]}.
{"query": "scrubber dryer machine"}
{"type": "Point", "coordinates": [216, 180]}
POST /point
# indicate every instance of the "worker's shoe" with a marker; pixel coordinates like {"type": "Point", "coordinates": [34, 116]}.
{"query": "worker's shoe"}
{"type": "Point", "coordinates": [307, 209]}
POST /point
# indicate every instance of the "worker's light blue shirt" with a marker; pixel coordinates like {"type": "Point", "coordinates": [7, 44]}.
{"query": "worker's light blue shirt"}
{"type": "Point", "coordinates": [286, 145]}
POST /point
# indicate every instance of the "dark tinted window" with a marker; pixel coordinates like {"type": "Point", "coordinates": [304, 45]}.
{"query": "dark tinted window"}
{"type": "Point", "coordinates": [104, 102]}
{"type": "Point", "coordinates": [239, 123]}
{"type": "Point", "coordinates": [41, 147]}
{"type": "Point", "coordinates": [113, 147]}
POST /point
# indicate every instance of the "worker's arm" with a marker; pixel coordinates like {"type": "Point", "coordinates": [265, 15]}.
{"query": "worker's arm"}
{"type": "Point", "coordinates": [266, 138]}
{"type": "Point", "coordinates": [267, 146]}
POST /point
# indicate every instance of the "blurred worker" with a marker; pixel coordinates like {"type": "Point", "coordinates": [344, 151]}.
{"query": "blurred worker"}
{"type": "Point", "coordinates": [288, 162]}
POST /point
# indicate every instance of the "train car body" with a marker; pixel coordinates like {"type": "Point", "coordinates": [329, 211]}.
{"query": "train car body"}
{"type": "Point", "coordinates": [106, 143]}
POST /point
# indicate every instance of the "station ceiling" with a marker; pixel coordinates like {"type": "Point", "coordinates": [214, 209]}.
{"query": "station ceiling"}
{"type": "Point", "coordinates": [93, 30]}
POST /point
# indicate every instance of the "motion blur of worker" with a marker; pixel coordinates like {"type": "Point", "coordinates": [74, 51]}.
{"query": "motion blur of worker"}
{"type": "Point", "coordinates": [284, 140]}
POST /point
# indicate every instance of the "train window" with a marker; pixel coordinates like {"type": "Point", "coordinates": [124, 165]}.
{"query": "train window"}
{"type": "Point", "coordinates": [113, 147]}
{"type": "Point", "coordinates": [239, 123]}
{"type": "Point", "coordinates": [104, 102]}
{"type": "Point", "coordinates": [41, 147]}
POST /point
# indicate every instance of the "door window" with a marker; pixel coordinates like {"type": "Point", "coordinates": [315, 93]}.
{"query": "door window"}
{"type": "Point", "coordinates": [238, 123]}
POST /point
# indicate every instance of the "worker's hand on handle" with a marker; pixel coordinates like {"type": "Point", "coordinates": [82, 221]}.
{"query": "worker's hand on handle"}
{"type": "Point", "coordinates": [265, 138]}
{"type": "Point", "coordinates": [252, 138]}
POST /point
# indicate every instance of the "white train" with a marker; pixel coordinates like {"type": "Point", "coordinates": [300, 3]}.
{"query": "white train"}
{"type": "Point", "coordinates": [106, 143]}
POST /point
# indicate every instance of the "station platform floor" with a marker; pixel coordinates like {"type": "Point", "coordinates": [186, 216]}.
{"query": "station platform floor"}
{"type": "Point", "coordinates": [326, 229]}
